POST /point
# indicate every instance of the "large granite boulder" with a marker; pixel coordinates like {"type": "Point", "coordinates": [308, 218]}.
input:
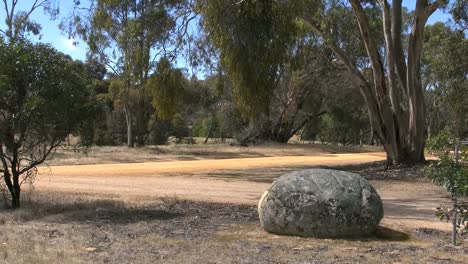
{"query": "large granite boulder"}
{"type": "Point", "coordinates": [320, 203]}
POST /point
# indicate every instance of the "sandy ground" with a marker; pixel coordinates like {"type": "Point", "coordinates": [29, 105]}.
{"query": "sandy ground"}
{"type": "Point", "coordinates": [236, 181]}
{"type": "Point", "coordinates": [184, 179]}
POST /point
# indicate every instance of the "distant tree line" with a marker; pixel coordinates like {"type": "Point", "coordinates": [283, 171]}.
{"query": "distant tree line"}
{"type": "Point", "coordinates": [339, 72]}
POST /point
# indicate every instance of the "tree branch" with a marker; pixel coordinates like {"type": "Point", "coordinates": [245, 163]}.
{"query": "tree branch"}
{"type": "Point", "coordinates": [371, 49]}
{"type": "Point", "coordinates": [55, 143]}
{"type": "Point", "coordinates": [430, 9]}
{"type": "Point", "coordinates": [308, 119]}
{"type": "Point", "coordinates": [390, 57]}
{"type": "Point", "coordinates": [7, 11]}
{"type": "Point", "coordinates": [422, 12]}
{"type": "Point", "coordinates": [340, 53]}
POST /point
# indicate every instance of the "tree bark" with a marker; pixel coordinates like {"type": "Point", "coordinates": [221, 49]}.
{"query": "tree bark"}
{"type": "Point", "coordinates": [210, 130]}
{"type": "Point", "coordinates": [128, 114]}
{"type": "Point", "coordinates": [16, 197]}
{"type": "Point", "coordinates": [128, 119]}
{"type": "Point", "coordinates": [11, 179]}
{"type": "Point", "coordinates": [394, 96]}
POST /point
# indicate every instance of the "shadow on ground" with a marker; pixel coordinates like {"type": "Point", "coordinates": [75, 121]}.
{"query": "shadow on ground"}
{"type": "Point", "coordinates": [415, 208]}
{"type": "Point", "coordinates": [371, 171]}
{"type": "Point", "coordinates": [261, 175]}
{"type": "Point", "coordinates": [86, 211]}
{"type": "Point", "coordinates": [388, 234]}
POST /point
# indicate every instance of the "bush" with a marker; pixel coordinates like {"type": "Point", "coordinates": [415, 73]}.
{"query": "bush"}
{"type": "Point", "coordinates": [160, 134]}
{"type": "Point", "coordinates": [451, 173]}
{"type": "Point", "coordinates": [44, 97]}
{"type": "Point", "coordinates": [179, 127]}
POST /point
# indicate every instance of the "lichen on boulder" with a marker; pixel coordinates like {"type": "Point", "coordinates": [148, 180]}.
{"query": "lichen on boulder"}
{"type": "Point", "coordinates": [321, 203]}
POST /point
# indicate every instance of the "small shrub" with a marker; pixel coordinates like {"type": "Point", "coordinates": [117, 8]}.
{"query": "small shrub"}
{"type": "Point", "coordinates": [451, 172]}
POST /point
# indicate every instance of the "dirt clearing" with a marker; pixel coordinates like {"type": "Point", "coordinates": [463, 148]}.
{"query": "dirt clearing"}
{"type": "Point", "coordinates": [204, 211]}
{"type": "Point", "coordinates": [243, 181]}
{"type": "Point", "coordinates": [222, 180]}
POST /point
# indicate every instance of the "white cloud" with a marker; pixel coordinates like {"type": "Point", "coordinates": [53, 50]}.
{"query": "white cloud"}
{"type": "Point", "coordinates": [68, 44]}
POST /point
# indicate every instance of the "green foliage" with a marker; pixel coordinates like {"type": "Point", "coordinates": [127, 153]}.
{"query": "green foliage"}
{"type": "Point", "coordinates": [461, 222]}
{"type": "Point", "coordinates": [166, 87]}
{"type": "Point", "coordinates": [160, 134]}
{"type": "Point", "coordinates": [446, 171]}
{"type": "Point", "coordinates": [19, 24]}
{"type": "Point", "coordinates": [44, 97]}
{"type": "Point", "coordinates": [459, 10]}
{"type": "Point", "coordinates": [253, 37]}
{"type": "Point", "coordinates": [344, 123]}
{"type": "Point", "coordinates": [179, 127]}
{"type": "Point", "coordinates": [452, 174]}
{"type": "Point", "coordinates": [43, 91]}
{"type": "Point", "coordinates": [445, 60]}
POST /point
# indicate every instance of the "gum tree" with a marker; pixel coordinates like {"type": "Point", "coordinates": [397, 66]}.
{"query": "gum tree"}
{"type": "Point", "coordinates": [445, 71]}
{"type": "Point", "coordinates": [130, 36]}
{"type": "Point", "coordinates": [18, 22]}
{"type": "Point", "coordinates": [393, 93]}
{"type": "Point", "coordinates": [276, 67]}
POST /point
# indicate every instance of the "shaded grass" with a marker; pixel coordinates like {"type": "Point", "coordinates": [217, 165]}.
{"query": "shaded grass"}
{"type": "Point", "coordinates": [387, 234]}
{"type": "Point", "coordinates": [63, 209]}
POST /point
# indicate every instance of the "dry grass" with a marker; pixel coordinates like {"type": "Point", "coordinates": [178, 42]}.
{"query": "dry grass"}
{"type": "Point", "coordinates": [65, 228]}
{"type": "Point", "coordinates": [173, 152]}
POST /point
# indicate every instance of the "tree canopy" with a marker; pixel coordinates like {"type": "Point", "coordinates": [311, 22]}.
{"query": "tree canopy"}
{"type": "Point", "coordinates": [44, 98]}
{"type": "Point", "coordinates": [253, 38]}
{"type": "Point", "coordinates": [445, 70]}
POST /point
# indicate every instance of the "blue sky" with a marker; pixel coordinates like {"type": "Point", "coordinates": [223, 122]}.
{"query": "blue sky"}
{"type": "Point", "coordinates": [50, 29]}
{"type": "Point", "coordinates": [51, 33]}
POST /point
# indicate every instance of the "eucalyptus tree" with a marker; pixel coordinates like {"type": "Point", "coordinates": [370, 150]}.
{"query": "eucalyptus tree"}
{"type": "Point", "coordinates": [272, 62]}
{"type": "Point", "coordinates": [166, 87]}
{"type": "Point", "coordinates": [394, 94]}
{"type": "Point", "coordinates": [444, 75]}
{"type": "Point", "coordinates": [378, 41]}
{"type": "Point", "coordinates": [18, 22]}
{"type": "Point", "coordinates": [252, 38]}
{"type": "Point", "coordinates": [129, 36]}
